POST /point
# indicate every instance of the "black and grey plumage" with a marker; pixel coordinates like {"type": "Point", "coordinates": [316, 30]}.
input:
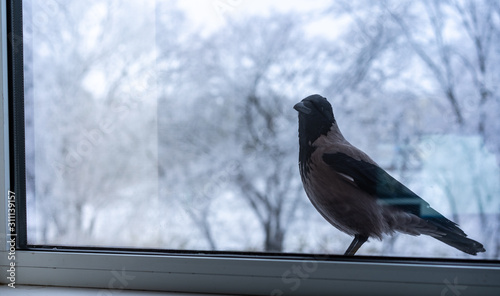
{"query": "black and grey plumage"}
{"type": "Point", "coordinates": [355, 194]}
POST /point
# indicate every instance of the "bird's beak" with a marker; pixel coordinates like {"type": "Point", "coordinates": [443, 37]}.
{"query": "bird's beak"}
{"type": "Point", "coordinates": [300, 107]}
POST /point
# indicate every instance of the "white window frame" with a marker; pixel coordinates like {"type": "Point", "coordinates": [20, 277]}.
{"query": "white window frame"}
{"type": "Point", "coordinates": [226, 274]}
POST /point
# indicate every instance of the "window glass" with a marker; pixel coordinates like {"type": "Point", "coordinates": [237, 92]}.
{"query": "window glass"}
{"type": "Point", "coordinates": [170, 124]}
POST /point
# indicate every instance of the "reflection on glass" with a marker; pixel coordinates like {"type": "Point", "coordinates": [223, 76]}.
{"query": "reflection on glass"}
{"type": "Point", "coordinates": [164, 124]}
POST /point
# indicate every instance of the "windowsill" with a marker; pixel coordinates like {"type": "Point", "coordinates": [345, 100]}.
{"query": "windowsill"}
{"type": "Point", "coordinates": [63, 291]}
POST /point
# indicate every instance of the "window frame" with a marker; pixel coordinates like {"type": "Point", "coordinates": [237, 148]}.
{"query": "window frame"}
{"type": "Point", "coordinates": [235, 273]}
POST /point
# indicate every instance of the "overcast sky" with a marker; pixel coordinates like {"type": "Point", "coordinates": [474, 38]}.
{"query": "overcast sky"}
{"type": "Point", "coordinates": [213, 14]}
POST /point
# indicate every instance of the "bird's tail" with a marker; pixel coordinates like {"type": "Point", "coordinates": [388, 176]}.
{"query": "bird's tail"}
{"type": "Point", "coordinates": [462, 243]}
{"type": "Point", "coordinates": [451, 234]}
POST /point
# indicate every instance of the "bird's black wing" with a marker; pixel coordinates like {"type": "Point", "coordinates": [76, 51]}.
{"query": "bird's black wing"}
{"type": "Point", "coordinates": [377, 182]}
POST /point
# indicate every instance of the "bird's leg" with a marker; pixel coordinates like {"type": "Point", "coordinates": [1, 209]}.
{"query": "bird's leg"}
{"type": "Point", "coordinates": [357, 242]}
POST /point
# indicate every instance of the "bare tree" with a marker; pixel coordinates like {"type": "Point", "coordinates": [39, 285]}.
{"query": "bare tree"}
{"type": "Point", "coordinates": [88, 122]}
{"type": "Point", "coordinates": [242, 133]}
{"type": "Point", "coordinates": [439, 62]}
{"type": "Point", "coordinates": [462, 64]}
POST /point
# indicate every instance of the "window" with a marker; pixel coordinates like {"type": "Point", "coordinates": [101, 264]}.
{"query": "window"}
{"type": "Point", "coordinates": [153, 144]}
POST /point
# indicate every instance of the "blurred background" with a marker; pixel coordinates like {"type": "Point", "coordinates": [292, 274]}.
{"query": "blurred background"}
{"type": "Point", "coordinates": [169, 124]}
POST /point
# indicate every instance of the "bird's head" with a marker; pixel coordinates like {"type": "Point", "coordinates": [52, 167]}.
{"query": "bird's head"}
{"type": "Point", "coordinates": [315, 106]}
{"type": "Point", "coordinates": [315, 118]}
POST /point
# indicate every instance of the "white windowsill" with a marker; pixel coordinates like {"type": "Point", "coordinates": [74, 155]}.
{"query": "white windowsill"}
{"type": "Point", "coordinates": [64, 291]}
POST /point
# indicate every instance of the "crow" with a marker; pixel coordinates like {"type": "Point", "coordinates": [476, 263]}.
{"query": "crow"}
{"type": "Point", "coordinates": [354, 194]}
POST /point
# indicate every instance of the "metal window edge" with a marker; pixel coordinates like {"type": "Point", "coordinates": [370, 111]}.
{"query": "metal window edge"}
{"type": "Point", "coordinates": [4, 130]}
